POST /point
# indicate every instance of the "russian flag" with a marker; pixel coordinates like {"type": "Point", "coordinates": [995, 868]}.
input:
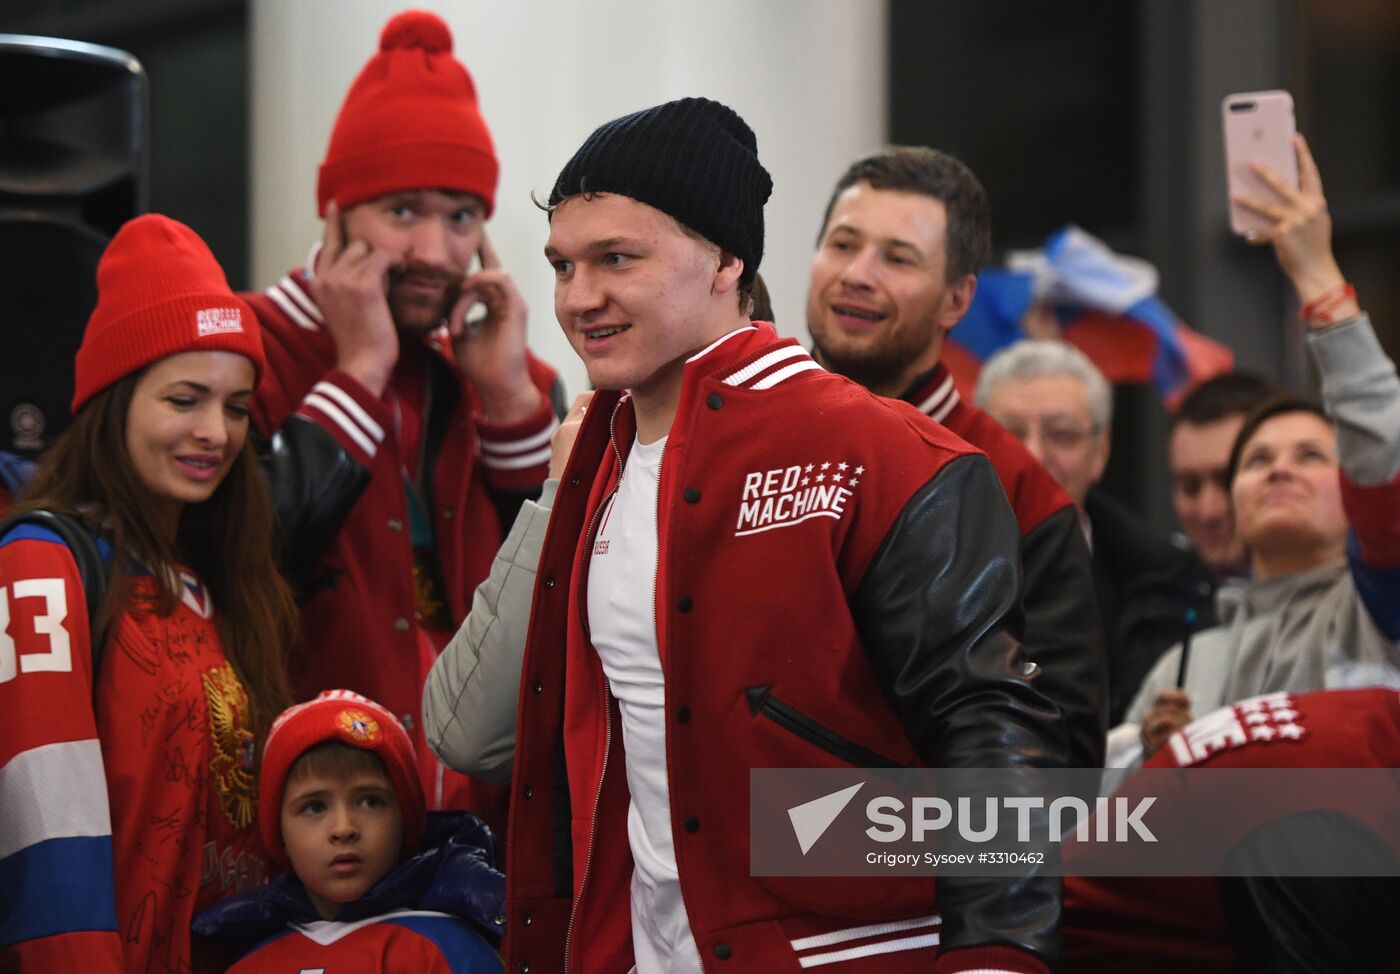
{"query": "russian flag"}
{"type": "Point", "coordinates": [1103, 303]}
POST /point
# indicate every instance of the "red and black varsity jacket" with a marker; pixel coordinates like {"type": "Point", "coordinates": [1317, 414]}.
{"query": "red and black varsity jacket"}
{"type": "Point", "coordinates": [336, 472]}
{"type": "Point", "coordinates": [1063, 632]}
{"type": "Point", "coordinates": [836, 576]}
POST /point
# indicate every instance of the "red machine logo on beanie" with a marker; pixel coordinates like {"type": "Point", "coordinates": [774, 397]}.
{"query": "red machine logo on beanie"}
{"type": "Point", "coordinates": [359, 725]}
{"type": "Point", "coordinates": [218, 321]}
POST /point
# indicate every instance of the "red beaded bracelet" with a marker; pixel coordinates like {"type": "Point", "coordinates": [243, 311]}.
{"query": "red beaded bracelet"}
{"type": "Point", "coordinates": [1321, 307]}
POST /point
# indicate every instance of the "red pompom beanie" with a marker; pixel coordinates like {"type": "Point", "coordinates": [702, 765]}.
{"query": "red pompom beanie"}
{"type": "Point", "coordinates": [159, 291]}
{"type": "Point", "coordinates": [347, 717]}
{"type": "Point", "coordinates": [410, 121]}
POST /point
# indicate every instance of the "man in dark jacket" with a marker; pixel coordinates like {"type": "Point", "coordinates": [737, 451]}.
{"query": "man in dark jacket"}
{"type": "Point", "coordinates": [905, 232]}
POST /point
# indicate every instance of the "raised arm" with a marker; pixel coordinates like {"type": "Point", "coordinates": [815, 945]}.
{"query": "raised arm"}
{"type": "Point", "coordinates": [1359, 383]}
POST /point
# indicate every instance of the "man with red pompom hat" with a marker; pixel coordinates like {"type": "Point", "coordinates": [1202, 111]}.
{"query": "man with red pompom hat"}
{"type": "Point", "coordinates": [399, 436]}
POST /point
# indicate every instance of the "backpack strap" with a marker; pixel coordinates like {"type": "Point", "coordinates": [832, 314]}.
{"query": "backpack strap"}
{"type": "Point", "coordinates": [92, 567]}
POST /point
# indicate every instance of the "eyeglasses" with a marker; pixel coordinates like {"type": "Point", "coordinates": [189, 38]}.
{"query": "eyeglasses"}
{"type": "Point", "coordinates": [1056, 436]}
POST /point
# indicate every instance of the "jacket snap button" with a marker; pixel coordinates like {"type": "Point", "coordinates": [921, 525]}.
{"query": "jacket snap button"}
{"type": "Point", "coordinates": [683, 715]}
{"type": "Point", "coordinates": [395, 524]}
{"type": "Point", "coordinates": [529, 792]}
{"type": "Point", "coordinates": [714, 401]}
{"type": "Point", "coordinates": [401, 624]}
{"type": "Point", "coordinates": [406, 720]}
{"type": "Point", "coordinates": [574, 481]}
{"type": "Point", "coordinates": [549, 582]}
{"type": "Point", "coordinates": [538, 687]}
{"type": "Point", "coordinates": [691, 824]}
{"type": "Point", "coordinates": [692, 496]}
{"type": "Point", "coordinates": [723, 952]}
{"type": "Point", "coordinates": [685, 603]}
{"type": "Point", "coordinates": [500, 921]}
{"type": "Point", "coordinates": [527, 919]}
{"type": "Point", "coordinates": [523, 967]}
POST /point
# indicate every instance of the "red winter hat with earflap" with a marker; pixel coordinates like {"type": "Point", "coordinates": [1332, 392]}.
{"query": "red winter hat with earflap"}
{"type": "Point", "coordinates": [410, 121]}
{"type": "Point", "coordinates": [159, 292]}
{"type": "Point", "coordinates": [347, 717]}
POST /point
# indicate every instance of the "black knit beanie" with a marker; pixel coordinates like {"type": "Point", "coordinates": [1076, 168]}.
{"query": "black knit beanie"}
{"type": "Point", "coordinates": [694, 159]}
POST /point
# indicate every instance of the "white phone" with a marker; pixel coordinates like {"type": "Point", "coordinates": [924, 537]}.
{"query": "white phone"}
{"type": "Point", "coordinates": [1258, 127]}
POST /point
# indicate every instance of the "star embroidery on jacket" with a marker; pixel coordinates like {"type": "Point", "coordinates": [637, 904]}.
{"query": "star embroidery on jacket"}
{"type": "Point", "coordinates": [807, 469]}
{"type": "Point", "coordinates": [854, 481]}
{"type": "Point", "coordinates": [1291, 731]}
{"type": "Point", "coordinates": [806, 480]}
{"type": "Point", "coordinates": [821, 477]}
{"type": "Point", "coordinates": [826, 466]}
{"type": "Point", "coordinates": [1263, 733]}
{"type": "Point", "coordinates": [837, 477]}
{"type": "Point", "coordinates": [859, 471]}
{"type": "Point", "coordinates": [842, 466]}
{"type": "Point", "coordinates": [1256, 718]}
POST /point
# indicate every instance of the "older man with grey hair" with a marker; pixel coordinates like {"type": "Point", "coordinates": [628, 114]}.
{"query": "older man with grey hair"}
{"type": "Point", "coordinates": [1150, 590]}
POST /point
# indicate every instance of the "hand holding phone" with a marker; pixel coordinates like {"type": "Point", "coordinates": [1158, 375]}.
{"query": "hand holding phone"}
{"type": "Point", "coordinates": [1258, 127]}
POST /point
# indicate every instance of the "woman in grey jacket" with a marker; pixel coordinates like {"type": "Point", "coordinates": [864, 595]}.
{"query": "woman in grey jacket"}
{"type": "Point", "coordinates": [1314, 505]}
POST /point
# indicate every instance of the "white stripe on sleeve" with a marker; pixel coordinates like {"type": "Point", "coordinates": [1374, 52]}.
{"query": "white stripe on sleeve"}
{"type": "Point", "coordinates": [334, 414]}
{"type": "Point", "coordinates": [496, 462]}
{"type": "Point", "coordinates": [522, 445]}
{"type": "Point", "coordinates": [347, 402]}
{"type": "Point", "coordinates": [54, 791]}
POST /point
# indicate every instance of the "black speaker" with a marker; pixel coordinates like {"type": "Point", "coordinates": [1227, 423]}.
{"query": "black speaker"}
{"type": "Point", "coordinates": [72, 156]}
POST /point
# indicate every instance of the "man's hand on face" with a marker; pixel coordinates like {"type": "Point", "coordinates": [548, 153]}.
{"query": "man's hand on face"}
{"type": "Point", "coordinates": [349, 285]}
{"type": "Point", "coordinates": [490, 352]}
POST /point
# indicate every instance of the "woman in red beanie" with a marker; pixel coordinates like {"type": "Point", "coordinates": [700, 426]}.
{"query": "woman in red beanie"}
{"type": "Point", "coordinates": [127, 777]}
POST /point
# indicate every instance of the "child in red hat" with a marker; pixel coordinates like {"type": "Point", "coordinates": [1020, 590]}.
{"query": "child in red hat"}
{"type": "Point", "coordinates": [375, 882]}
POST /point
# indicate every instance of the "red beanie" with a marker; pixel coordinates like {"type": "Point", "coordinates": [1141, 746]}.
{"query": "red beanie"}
{"type": "Point", "coordinates": [410, 121]}
{"type": "Point", "coordinates": [159, 291]}
{"type": "Point", "coordinates": [347, 717]}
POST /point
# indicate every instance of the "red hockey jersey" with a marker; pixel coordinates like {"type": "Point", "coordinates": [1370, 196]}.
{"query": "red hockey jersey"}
{"type": "Point", "coordinates": [123, 817]}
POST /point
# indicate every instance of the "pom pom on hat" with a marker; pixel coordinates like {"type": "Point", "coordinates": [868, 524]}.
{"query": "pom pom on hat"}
{"type": "Point", "coordinates": [417, 28]}
{"type": "Point", "coordinates": [159, 292]}
{"type": "Point", "coordinates": [409, 121]}
{"type": "Point", "coordinates": [351, 719]}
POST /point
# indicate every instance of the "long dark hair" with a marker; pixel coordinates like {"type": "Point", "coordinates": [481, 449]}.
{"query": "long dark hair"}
{"type": "Point", "coordinates": [227, 541]}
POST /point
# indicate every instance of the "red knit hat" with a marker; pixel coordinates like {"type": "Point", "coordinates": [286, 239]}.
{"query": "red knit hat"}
{"type": "Point", "coordinates": [159, 291]}
{"type": "Point", "coordinates": [410, 121]}
{"type": "Point", "coordinates": [347, 717]}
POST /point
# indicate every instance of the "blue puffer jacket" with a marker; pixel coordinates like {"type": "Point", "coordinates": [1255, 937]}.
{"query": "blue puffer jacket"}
{"type": "Point", "coordinates": [455, 874]}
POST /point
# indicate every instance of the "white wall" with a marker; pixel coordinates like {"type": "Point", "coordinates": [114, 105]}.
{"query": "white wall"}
{"type": "Point", "coordinates": [807, 75]}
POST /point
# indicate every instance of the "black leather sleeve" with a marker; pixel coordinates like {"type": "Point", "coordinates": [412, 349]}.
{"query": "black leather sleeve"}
{"type": "Point", "coordinates": [314, 483]}
{"type": "Point", "coordinates": [933, 612]}
{"type": "Point", "coordinates": [1064, 631]}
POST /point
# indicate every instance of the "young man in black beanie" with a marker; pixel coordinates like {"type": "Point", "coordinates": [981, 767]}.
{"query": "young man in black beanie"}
{"type": "Point", "coordinates": [750, 563]}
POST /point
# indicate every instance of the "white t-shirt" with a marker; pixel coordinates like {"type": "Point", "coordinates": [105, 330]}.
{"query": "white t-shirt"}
{"type": "Point", "coordinates": [622, 621]}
